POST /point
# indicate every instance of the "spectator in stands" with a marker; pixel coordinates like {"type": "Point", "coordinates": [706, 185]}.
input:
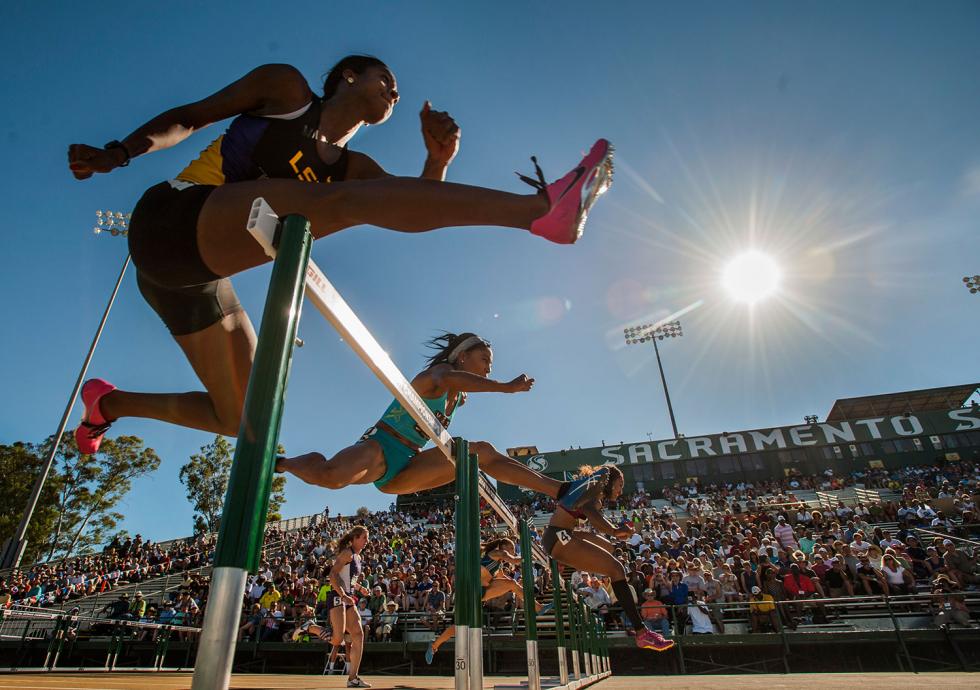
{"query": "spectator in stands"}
{"type": "Point", "coordinates": [597, 598]}
{"type": "Point", "coordinates": [655, 613]}
{"type": "Point", "coordinates": [435, 606]}
{"type": "Point", "coordinates": [869, 578]}
{"type": "Point", "coordinates": [785, 535]}
{"type": "Point", "coordinates": [899, 579]}
{"type": "Point", "coordinates": [762, 612]}
{"type": "Point", "coordinates": [269, 597]}
{"type": "Point", "coordinates": [388, 620]}
{"type": "Point", "coordinates": [839, 580]}
{"type": "Point", "coordinates": [700, 616]}
{"type": "Point", "coordinates": [960, 565]}
{"type": "Point", "coordinates": [747, 579]}
{"type": "Point", "coordinates": [377, 601]}
{"type": "Point", "coordinates": [118, 609]}
{"type": "Point", "coordinates": [935, 562]}
{"type": "Point", "coordinates": [137, 608]}
{"type": "Point", "coordinates": [694, 579]}
{"type": "Point", "coordinates": [950, 608]}
{"type": "Point", "coordinates": [367, 617]}
{"type": "Point", "coordinates": [859, 547]}
{"type": "Point", "coordinates": [250, 625]}
{"type": "Point", "coordinates": [273, 621]}
{"type": "Point", "coordinates": [942, 522]}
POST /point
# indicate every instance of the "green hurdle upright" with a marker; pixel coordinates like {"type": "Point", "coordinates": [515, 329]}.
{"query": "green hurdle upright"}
{"type": "Point", "coordinates": [247, 500]}
{"type": "Point", "coordinates": [468, 608]}
{"type": "Point", "coordinates": [558, 598]}
{"type": "Point", "coordinates": [530, 610]}
{"type": "Point", "coordinates": [576, 632]}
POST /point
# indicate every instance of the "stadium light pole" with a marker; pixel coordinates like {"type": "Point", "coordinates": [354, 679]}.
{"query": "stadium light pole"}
{"type": "Point", "coordinates": [972, 283]}
{"type": "Point", "coordinates": [116, 224]}
{"type": "Point", "coordinates": [654, 332]}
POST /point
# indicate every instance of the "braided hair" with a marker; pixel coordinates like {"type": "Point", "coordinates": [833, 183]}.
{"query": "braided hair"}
{"type": "Point", "coordinates": [599, 493]}
{"type": "Point", "coordinates": [446, 347]}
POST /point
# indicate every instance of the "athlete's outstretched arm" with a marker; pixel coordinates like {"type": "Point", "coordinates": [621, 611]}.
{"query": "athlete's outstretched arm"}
{"type": "Point", "coordinates": [443, 377]}
{"type": "Point", "coordinates": [602, 525]}
{"type": "Point", "coordinates": [505, 556]}
{"type": "Point", "coordinates": [269, 89]}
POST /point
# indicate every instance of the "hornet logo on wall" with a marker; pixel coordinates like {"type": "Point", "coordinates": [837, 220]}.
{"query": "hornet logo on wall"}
{"type": "Point", "coordinates": [538, 463]}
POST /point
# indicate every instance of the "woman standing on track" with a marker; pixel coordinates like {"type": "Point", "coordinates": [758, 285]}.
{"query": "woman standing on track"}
{"type": "Point", "coordinates": [341, 605]}
{"type": "Point", "coordinates": [389, 453]}
{"type": "Point", "coordinates": [582, 550]}
{"type": "Point", "coordinates": [186, 235]}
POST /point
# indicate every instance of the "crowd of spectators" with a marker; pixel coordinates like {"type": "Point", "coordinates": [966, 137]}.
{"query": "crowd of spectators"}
{"type": "Point", "coordinates": [762, 545]}
{"type": "Point", "coordinates": [59, 583]}
{"type": "Point", "coordinates": [702, 548]}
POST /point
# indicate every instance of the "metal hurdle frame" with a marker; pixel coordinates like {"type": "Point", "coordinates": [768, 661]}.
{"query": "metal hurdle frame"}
{"type": "Point", "coordinates": [246, 502]}
{"type": "Point", "coordinates": [588, 632]}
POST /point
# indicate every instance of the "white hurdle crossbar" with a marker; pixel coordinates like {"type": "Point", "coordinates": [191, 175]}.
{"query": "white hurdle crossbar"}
{"type": "Point", "coordinates": [262, 223]}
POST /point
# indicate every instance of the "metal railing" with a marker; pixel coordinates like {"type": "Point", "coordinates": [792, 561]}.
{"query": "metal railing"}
{"type": "Point", "coordinates": [62, 630]}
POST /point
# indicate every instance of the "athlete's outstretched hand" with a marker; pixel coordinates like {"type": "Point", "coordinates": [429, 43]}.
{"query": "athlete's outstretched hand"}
{"type": "Point", "coordinates": [441, 134]}
{"type": "Point", "coordinates": [84, 160]}
{"type": "Point", "coordinates": [519, 385]}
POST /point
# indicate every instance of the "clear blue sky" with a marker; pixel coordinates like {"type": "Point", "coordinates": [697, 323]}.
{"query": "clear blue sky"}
{"type": "Point", "coordinates": [841, 138]}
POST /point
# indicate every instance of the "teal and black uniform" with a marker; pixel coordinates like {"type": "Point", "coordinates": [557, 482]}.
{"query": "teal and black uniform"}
{"type": "Point", "coordinates": [401, 438]}
{"type": "Point", "coordinates": [492, 566]}
{"type": "Point", "coordinates": [571, 503]}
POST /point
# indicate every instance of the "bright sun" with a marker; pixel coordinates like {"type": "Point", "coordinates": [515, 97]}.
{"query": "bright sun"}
{"type": "Point", "coordinates": [751, 276]}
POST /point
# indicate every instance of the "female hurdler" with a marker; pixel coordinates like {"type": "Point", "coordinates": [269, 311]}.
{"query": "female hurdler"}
{"type": "Point", "coordinates": [186, 235]}
{"type": "Point", "coordinates": [494, 584]}
{"type": "Point", "coordinates": [390, 453]}
{"type": "Point", "coordinates": [583, 550]}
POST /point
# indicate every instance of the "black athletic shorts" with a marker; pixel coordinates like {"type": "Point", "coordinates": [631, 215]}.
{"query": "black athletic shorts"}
{"type": "Point", "coordinates": [553, 536]}
{"type": "Point", "coordinates": [171, 275]}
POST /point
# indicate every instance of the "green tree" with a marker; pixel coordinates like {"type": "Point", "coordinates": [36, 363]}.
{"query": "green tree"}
{"type": "Point", "coordinates": [20, 465]}
{"type": "Point", "coordinates": [206, 475]}
{"type": "Point", "coordinates": [91, 487]}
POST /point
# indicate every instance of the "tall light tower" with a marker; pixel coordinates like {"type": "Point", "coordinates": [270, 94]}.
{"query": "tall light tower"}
{"type": "Point", "coordinates": [115, 224]}
{"type": "Point", "coordinates": [652, 332]}
{"type": "Point", "coordinates": [972, 283]}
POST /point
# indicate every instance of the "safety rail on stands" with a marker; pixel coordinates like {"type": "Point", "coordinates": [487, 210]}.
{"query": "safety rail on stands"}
{"type": "Point", "coordinates": [30, 625]}
{"type": "Point", "coordinates": [960, 541]}
{"type": "Point", "coordinates": [869, 496]}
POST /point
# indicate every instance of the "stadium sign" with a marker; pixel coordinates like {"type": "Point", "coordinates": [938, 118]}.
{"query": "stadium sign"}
{"type": "Point", "coordinates": [761, 440]}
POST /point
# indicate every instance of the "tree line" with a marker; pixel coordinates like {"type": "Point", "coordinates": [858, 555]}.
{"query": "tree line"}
{"type": "Point", "coordinates": [78, 507]}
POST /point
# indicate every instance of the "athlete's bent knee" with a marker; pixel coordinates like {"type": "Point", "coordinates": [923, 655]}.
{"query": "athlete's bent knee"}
{"type": "Point", "coordinates": [229, 427]}
{"type": "Point", "coordinates": [483, 449]}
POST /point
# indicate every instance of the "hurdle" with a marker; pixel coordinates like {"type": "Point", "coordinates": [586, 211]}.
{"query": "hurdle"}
{"type": "Point", "coordinates": [238, 550]}
{"type": "Point", "coordinates": [585, 626]}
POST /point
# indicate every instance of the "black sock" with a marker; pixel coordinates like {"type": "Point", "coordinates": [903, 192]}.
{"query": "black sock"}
{"type": "Point", "coordinates": [624, 595]}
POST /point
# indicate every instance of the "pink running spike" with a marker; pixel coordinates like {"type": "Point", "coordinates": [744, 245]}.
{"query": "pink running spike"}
{"type": "Point", "coordinates": [572, 196]}
{"type": "Point", "coordinates": [647, 639]}
{"type": "Point", "coordinates": [88, 434]}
